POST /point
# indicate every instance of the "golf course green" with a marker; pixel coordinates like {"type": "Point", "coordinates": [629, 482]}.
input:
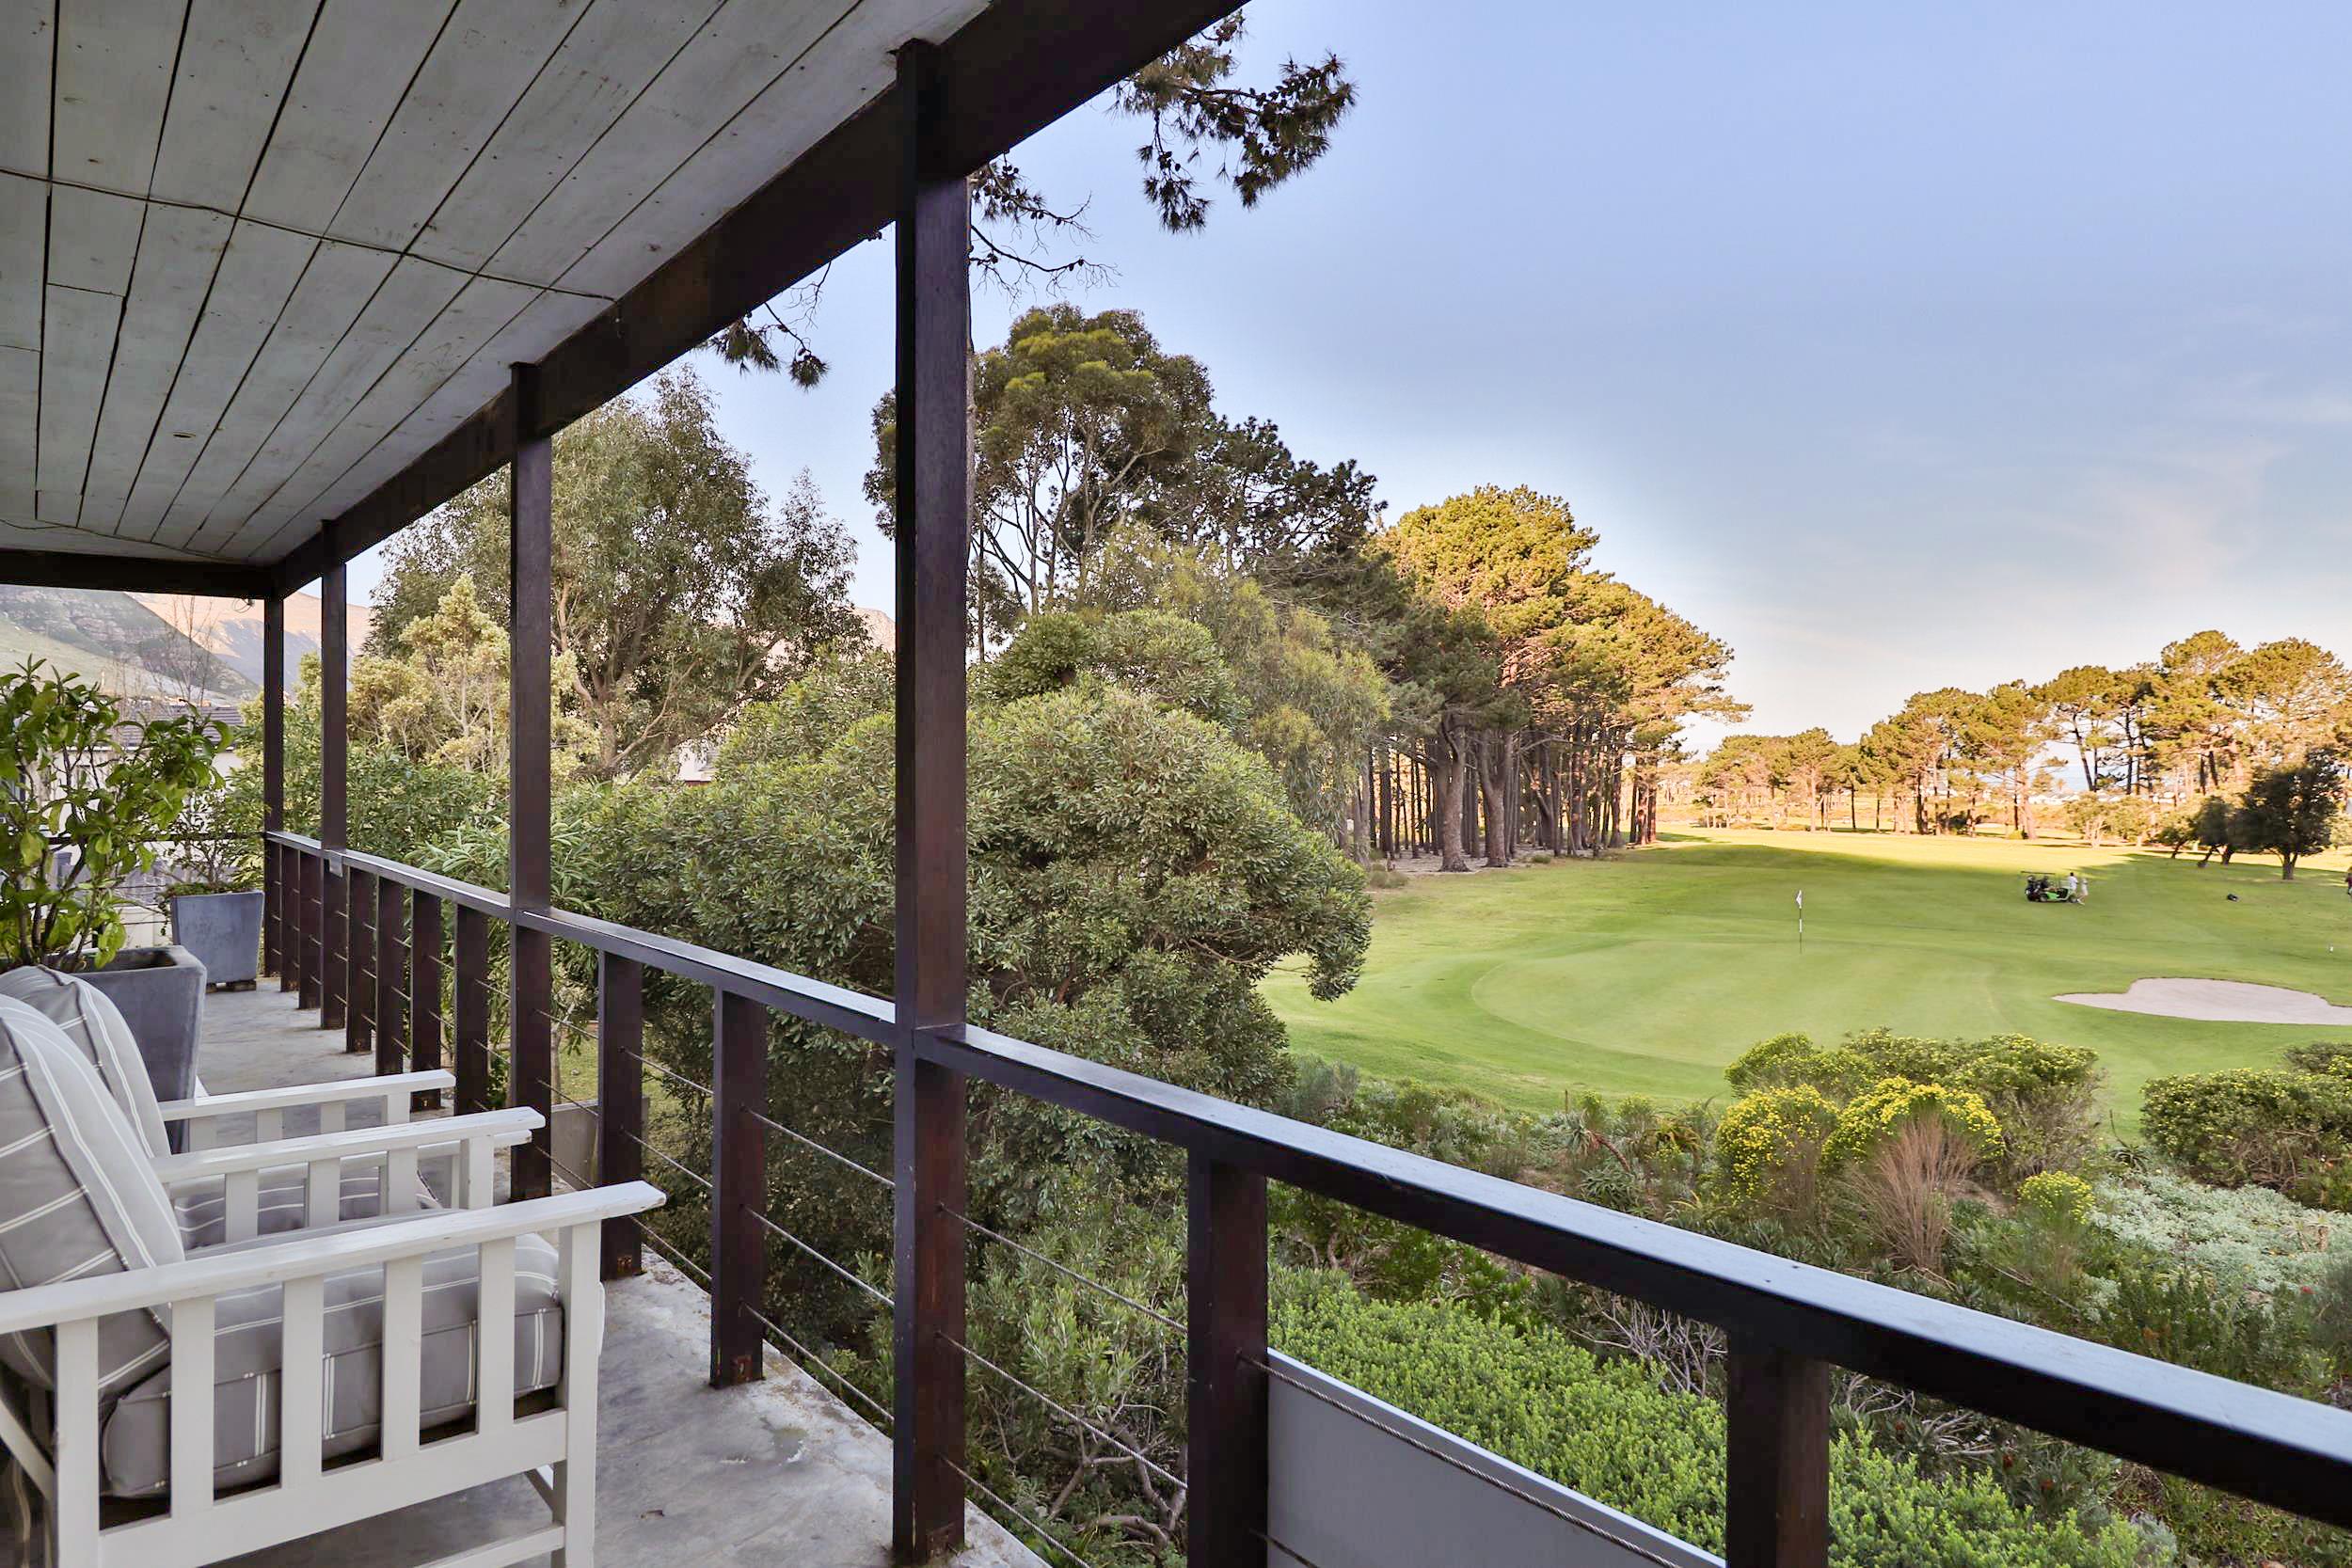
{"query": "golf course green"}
{"type": "Point", "coordinates": [1647, 973]}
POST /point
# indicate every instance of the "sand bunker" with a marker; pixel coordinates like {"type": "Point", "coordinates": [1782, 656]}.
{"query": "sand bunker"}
{"type": "Point", "coordinates": [2217, 1002]}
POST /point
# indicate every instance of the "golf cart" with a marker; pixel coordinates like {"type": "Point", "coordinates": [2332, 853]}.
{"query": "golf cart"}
{"type": "Point", "coordinates": [2042, 887]}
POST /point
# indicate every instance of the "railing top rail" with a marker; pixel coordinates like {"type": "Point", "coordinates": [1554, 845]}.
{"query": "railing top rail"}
{"type": "Point", "coordinates": [2272, 1447]}
{"type": "Point", "coordinates": [833, 1006]}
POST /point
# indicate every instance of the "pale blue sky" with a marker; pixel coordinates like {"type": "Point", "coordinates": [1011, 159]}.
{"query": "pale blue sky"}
{"type": "Point", "coordinates": [1901, 346]}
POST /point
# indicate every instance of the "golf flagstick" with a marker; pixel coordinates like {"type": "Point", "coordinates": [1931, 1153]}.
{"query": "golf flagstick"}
{"type": "Point", "coordinates": [1800, 920]}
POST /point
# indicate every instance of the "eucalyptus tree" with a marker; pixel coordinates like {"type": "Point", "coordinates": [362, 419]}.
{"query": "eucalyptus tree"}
{"type": "Point", "coordinates": [681, 590]}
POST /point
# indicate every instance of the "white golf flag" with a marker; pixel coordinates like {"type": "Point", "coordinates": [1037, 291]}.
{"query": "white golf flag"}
{"type": "Point", "coordinates": [1799, 897]}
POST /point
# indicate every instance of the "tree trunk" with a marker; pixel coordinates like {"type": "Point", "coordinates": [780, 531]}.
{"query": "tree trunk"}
{"type": "Point", "coordinates": [1452, 778]}
{"type": "Point", "coordinates": [1493, 757]}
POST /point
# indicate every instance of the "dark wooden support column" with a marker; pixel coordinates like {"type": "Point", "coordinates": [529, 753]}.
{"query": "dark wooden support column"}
{"type": "Point", "coordinates": [334, 811]}
{"type": "Point", "coordinates": [310, 888]}
{"type": "Point", "coordinates": [1225, 1294]}
{"type": "Point", "coordinates": [391, 977]}
{"type": "Point", "coordinates": [1776, 1504]}
{"type": "Point", "coordinates": [620, 1102]}
{"type": "Point", "coordinates": [530, 1028]}
{"type": "Point", "coordinates": [360, 917]}
{"type": "Point", "coordinates": [934, 499]}
{"type": "Point", "coordinates": [425, 936]}
{"type": "Point", "coordinates": [739, 1168]}
{"type": "Point", "coordinates": [469, 1008]}
{"type": "Point", "coordinates": [274, 880]}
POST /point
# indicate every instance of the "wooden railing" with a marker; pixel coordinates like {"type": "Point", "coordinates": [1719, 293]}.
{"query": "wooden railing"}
{"type": "Point", "coordinates": [1786, 1323]}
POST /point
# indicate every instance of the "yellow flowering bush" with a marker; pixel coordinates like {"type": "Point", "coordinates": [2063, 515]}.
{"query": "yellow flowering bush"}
{"type": "Point", "coordinates": [2056, 1194]}
{"type": "Point", "coordinates": [1771, 1136]}
{"type": "Point", "coordinates": [1874, 1116]}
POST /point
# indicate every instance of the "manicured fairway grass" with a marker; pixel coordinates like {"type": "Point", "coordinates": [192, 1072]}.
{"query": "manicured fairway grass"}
{"type": "Point", "coordinates": [1646, 974]}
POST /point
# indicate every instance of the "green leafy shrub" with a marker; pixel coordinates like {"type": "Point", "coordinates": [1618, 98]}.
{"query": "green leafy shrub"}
{"type": "Point", "coordinates": [2268, 1126]}
{"type": "Point", "coordinates": [2043, 1095]}
{"type": "Point", "coordinates": [2056, 1196]}
{"type": "Point", "coordinates": [83, 778]}
{"type": "Point", "coordinates": [1606, 1429]}
{"type": "Point", "coordinates": [1768, 1147]}
{"type": "Point", "coordinates": [1873, 1119]}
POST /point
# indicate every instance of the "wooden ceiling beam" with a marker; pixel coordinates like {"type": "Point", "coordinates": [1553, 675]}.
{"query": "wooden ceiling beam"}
{"type": "Point", "coordinates": [1013, 69]}
{"type": "Point", "coordinates": [135, 574]}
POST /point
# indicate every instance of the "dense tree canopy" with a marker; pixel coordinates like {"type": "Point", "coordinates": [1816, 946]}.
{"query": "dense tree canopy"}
{"type": "Point", "coordinates": [681, 592]}
{"type": "Point", "coordinates": [2206, 719]}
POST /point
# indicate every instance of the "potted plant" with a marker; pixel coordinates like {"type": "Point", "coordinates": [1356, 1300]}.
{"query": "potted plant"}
{"type": "Point", "coordinates": [84, 793]}
{"type": "Point", "coordinates": [216, 907]}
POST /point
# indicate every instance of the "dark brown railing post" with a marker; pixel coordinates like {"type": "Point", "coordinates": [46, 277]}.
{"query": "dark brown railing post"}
{"type": "Point", "coordinates": [934, 470]}
{"type": "Point", "coordinates": [1777, 1498]}
{"type": "Point", "coordinates": [470, 1009]}
{"type": "Point", "coordinates": [425, 992]}
{"type": "Point", "coordinates": [1225, 1351]}
{"type": "Point", "coordinates": [334, 946]}
{"type": "Point", "coordinates": [289, 869]}
{"type": "Point", "coordinates": [530, 958]}
{"type": "Point", "coordinates": [359, 968]}
{"type": "Point", "coordinates": [738, 1170]}
{"type": "Point", "coordinates": [272, 916]}
{"type": "Point", "coordinates": [334, 778]}
{"type": "Point", "coordinates": [620, 1102]}
{"type": "Point", "coordinates": [274, 787]}
{"type": "Point", "coordinates": [391, 977]}
{"type": "Point", "coordinates": [313, 894]}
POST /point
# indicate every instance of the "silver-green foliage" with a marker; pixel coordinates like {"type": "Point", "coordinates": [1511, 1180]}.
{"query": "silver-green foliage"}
{"type": "Point", "coordinates": [2248, 1236]}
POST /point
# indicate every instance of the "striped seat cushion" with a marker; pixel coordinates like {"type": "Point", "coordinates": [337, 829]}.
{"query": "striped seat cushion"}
{"type": "Point", "coordinates": [246, 1380]}
{"type": "Point", "coordinates": [90, 1019]}
{"type": "Point", "coordinates": [78, 1197]}
{"type": "Point", "coordinates": [201, 1207]}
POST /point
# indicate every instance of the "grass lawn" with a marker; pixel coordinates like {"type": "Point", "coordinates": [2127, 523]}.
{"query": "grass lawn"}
{"type": "Point", "coordinates": [1646, 974]}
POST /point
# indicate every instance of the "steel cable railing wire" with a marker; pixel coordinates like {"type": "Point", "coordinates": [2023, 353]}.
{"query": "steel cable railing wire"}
{"type": "Point", "coordinates": [861, 1282]}
{"type": "Point", "coordinates": [834, 1154]}
{"type": "Point", "coordinates": [809, 1361]}
{"type": "Point", "coordinates": [645, 1233]}
{"type": "Point", "coordinates": [1023, 1515]}
{"type": "Point", "coordinates": [1071, 1416]}
{"type": "Point", "coordinates": [683, 1170]}
{"type": "Point", "coordinates": [1129, 1302]}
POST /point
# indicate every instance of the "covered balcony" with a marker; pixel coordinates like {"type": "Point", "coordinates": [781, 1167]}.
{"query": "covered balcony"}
{"type": "Point", "coordinates": [278, 281]}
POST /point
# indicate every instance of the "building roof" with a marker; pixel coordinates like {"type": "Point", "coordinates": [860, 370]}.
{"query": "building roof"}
{"type": "Point", "coordinates": [259, 260]}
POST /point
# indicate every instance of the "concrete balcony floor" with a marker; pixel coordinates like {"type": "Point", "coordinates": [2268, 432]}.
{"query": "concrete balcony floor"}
{"type": "Point", "coordinates": [777, 1472]}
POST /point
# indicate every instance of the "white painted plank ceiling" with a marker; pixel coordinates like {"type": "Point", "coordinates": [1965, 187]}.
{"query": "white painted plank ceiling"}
{"type": "Point", "coordinates": [258, 255]}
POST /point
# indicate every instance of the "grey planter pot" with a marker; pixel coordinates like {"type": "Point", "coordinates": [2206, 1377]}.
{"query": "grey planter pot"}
{"type": "Point", "coordinates": [223, 931]}
{"type": "Point", "coordinates": [160, 991]}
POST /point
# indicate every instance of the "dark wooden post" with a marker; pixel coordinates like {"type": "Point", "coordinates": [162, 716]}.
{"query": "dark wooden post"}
{"type": "Point", "coordinates": [1776, 1504]}
{"type": "Point", "coordinates": [1225, 1294]}
{"type": "Point", "coordinates": [425, 992]}
{"type": "Point", "coordinates": [273, 918]}
{"type": "Point", "coordinates": [391, 977]}
{"type": "Point", "coordinates": [334, 816]}
{"type": "Point", "coordinates": [469, 1008]}
{"type": "Point", "coordinates": [620, 1102]}
{"type": "Point", "coordinates": [359, 1022]}
{"type": "Point", "coordinates": [738, 1170]}
{"type": "Point", "coordinates": [530, 1022]}
{"type": "Point", "coordinates": [934, 499]}
{"type": "Point", "coordinates": [309, 892]}
{"type": "Point", "coordinates": [274, 923]}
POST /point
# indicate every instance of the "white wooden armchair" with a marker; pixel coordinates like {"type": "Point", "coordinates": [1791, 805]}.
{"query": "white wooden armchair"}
{"type": "Point", "coordinates": [414, 1458]}
{"type": "Point", "coordinates": [175, 1407]}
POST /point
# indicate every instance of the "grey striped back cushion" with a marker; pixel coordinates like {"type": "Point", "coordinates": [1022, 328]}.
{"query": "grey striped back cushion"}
{"type": "Point", "coordinates": [78, 1197]}
{"type": "Point", "coordinates": [90, 1019]}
